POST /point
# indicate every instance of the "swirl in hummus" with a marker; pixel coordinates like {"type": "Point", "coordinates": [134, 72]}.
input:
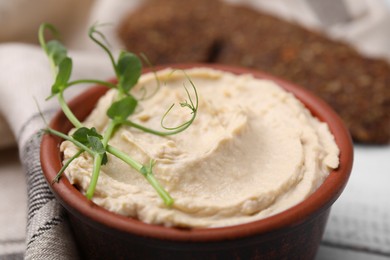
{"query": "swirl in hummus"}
{"type": "Point", "coordinates": [253, 150]}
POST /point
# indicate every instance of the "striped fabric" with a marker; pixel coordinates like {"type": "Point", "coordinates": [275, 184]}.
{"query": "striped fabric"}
{"type": "Point", "coordinates": [48, 234]}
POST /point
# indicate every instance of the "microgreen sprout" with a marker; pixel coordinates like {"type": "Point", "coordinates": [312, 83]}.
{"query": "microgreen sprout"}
{"type": "Point", "coordinates": [127, 68]}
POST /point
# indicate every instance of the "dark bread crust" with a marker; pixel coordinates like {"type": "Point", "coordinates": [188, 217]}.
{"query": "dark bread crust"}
{"type": "Point", "coordinates": [171, 31]}
{"type": "Point", "coordinates": [357, 87]}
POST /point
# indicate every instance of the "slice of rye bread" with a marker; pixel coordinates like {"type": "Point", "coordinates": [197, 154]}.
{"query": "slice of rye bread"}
{"type": "Point", "coordinates": [171, 31]}
{"type": "Point", "coordinates": [357, 87]}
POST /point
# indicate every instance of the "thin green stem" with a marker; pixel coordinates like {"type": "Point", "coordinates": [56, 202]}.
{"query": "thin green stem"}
{"type": "Point", "coordinates": [124, 157]}
{"type": "Point", "coordinates": [97, 162]}
{"type": "Point", "coordinates": [193, 107]}
{"type": "Point", "coordinates": [69, 138]}
{"type": "Point", "coordinates": [91, 81]}
{"type": "Point", "coordinates": [42, 42]}
{"type": "Point", "coordinates": [147, 173]}
{"type": "Point", "coordinates": [63, 168]}
{"type": "Point", "coordinates": [68, 113]}
{"type": "Point", "coordinates": [109, 132]}
{"type": "Point", "coordinates": [41, 36]}
{"type": "Point", "coordinates": [144, 97]}
{"type": "Point", "coordinates": [168, 200]}
{"type": "Point", "coordinates": [98, 158]}
{"type": "Point", "coordinates": [155, 132]}
{"type": "Point", "coordinates": [91, 33]}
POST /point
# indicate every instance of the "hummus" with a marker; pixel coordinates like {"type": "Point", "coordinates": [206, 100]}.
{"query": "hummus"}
{"type": "Point", "coordinates": [253, 150]}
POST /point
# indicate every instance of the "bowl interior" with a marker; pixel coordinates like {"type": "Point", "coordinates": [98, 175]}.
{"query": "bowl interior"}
{"type": "Point", "coordinates": [315, 204]}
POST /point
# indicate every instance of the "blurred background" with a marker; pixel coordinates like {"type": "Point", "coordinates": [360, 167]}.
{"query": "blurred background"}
{"type": "Point", "coordinates": [339, 49]}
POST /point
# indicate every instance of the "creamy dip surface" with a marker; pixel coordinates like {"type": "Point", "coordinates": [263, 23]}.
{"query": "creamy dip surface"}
{"type": "Point", "coordinates": [253, 150]}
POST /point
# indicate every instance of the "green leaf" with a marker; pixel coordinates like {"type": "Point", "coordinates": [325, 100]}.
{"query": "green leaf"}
{"type": "Point", "coordinates": [63, 75]}
{"type": "Point", "coordinates": [56, 51]}
{"type": "Point", "coordinates": [41, 34]}
{"type": "Point", "coordinates": [129, 69]}
{"type": "Point", "coordinates": [122, 109]}
{"type": "Point", "coordinates": [104, 159]}
{"type": "Point", "coordinates": [143, 171]}
{"type": "Point", "coordinates": [82, 134]}
{"type": "Point", "coordinates": [96, 144]}
{"type": "Point", "coordinates": [91, 138]}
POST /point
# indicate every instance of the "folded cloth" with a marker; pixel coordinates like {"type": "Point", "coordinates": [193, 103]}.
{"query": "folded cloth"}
{"type": "Point", "coordinates": [28, 77]}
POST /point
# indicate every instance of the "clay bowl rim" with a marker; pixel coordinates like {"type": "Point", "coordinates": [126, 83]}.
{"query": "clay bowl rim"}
{"type": "Point", "coordinates": [312, 206]}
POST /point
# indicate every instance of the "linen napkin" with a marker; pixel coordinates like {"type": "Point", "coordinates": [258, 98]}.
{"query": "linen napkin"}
{"type": "Point", "coordinates": [26, 84]}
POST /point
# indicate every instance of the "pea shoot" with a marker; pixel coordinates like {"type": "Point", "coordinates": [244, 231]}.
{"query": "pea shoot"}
{"type": "Point", "coordinates": [127, 68]}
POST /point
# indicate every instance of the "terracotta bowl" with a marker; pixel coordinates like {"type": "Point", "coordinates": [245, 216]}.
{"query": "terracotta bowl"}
{"type": "Point", "coordinates": [292, 234]}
